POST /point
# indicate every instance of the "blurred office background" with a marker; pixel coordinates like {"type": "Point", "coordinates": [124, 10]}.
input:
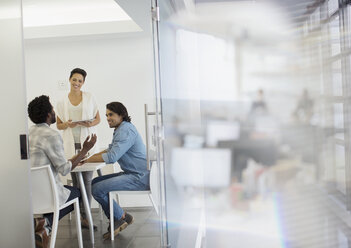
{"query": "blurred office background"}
{"type": "Point", "coordinates": [249, 105]}
{"type": "Point", "coordinates": [255, 114]}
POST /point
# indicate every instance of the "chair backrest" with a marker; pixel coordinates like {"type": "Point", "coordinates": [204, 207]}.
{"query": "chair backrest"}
{"type": "Point", "coordinates": [44, 192]}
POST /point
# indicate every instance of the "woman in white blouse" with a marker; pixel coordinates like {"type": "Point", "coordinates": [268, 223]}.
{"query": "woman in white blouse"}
{"type": "Point", "coordinates": [77, 116]}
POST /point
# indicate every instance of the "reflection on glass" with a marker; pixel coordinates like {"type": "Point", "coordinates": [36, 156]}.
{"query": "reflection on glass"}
{"type": "Point", "coordinates": [340, 168]}
{"type": "Point", "coordinates": [339, 120]}
{"type": "Point", "coordinates": [334, 32]}
{"type": "Point", "coordinates": [250, 122]}
{"type": "Point", "coordinates": [337, 78]}
{"type": "Point", "coordinates": [348, 30]}
{"type": "Point", "coordinates": [333, 6]}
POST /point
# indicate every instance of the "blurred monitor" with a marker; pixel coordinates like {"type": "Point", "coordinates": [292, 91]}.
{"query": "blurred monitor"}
{"type": "Point", "coordinates": [206, 167]}
{"type": "Point", "coordinates": [221, 131]}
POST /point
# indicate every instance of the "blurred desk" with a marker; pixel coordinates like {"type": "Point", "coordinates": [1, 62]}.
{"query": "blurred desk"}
{"type": "Point", "coordinates": [263, 151]}
{"type": "Point", "coordinates": [79, 170]}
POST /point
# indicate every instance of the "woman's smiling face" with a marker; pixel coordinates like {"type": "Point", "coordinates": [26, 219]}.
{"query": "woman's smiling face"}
{"type": "Point", "coordinates": [77, 81]}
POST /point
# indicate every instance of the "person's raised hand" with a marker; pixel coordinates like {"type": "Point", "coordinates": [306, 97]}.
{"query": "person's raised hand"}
{"type": "Point", "coordinates": [88, 144]}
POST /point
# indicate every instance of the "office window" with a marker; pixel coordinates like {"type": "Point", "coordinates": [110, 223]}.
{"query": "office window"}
{"type": "Point", "coordinates": [337, 78]}
{"type": "Point", "coordinates": [348, 25]}
{"type": "Point", "coordinates": [334, 36]}
{"type": "Point", "coordinates": [339, 121]}
{"type": "Point", "coordinates": [214, 82]}
{"type": "Point", "coordinates": [335, 58]}
{"type": "Point", "coordinates": [340, 168]}
{"type": "Point", "coordinates": [333, 6]}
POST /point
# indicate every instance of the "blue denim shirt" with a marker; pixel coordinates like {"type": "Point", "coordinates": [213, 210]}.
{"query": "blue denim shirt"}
{"type": "Point", "coordinates": [127, 148]}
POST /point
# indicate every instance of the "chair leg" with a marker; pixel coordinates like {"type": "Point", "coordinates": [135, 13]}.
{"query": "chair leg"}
{"type": "Point", "coordinates": [100, 208]}
{"type": "Point", "coordinates": [70, 183]}
{"type": "Point", "coordinates": [112, 226]}
{"type": "Point", "coordinates": [78, 224]}
{"type": "Point", "coordinates": [54, 229]}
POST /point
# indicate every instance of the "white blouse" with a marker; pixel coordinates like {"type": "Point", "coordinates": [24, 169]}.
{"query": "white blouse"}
{"type": "Point", "coordinates": [89, 111]}
{"type": "Point", "coordinates": [75, 114]}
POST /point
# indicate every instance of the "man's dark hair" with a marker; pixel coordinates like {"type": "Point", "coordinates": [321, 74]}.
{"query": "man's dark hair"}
{"type": "Point", "coordinates": [119, 109]}
{"type": "Point", "coordinates": [79, 71]}
{"type": "Point", "coordinates": [39, 108]}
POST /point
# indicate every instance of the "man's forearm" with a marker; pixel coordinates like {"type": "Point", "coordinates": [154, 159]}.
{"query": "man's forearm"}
{"type": "Point", "coordinates": [99, 153]}
{"type": "Point", "coordinates": [95, 158]}
{"type": "Point", "coordinates": [77, 158]}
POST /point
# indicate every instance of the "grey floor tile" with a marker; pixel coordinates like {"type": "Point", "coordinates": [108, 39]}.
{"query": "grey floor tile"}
{"type": "Point", "coordinates": [139, 217]}
{"type": "Point", "coordinates": [148, 230]}
{"type": "Point", "coordinates": [153, 218]}
{"type": "Point", "coordinates": [144, 232]}
{"type": "Point", "coordinates": [130, 231]}
{"type": "Point", "coordinates": [145, 242]}
{"type": "Point", "coordinates": [111, 244]}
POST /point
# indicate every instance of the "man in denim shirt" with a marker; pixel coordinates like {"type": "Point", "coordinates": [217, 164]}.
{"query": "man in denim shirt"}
{"type": "Point", "coordinates": [128, 149]}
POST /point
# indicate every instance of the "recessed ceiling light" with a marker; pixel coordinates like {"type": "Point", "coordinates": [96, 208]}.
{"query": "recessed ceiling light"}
{"type": "Point", "coordinates": [63, 12]}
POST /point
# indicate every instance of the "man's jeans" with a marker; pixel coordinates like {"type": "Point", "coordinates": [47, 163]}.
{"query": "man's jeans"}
{"type": "Point", "coordinates": [101, 186]}
{"type": "Point", "coordinates": [75, 192]}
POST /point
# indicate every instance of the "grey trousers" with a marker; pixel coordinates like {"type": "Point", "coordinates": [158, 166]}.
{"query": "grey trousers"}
{"type": "Point", "coordinates": [87, 178]}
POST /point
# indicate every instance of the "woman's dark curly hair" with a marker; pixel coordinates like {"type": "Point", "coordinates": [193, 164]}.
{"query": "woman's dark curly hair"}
{"type": "Point", "coordinates": [39, 108]}
{"type": "Point", "coordinates": [79, 71]}
{"type": "Point", "coordinates": [119, 109]}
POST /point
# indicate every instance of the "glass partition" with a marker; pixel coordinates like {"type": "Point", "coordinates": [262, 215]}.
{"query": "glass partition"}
{"type": "Point", "coordinates": [255, 117]}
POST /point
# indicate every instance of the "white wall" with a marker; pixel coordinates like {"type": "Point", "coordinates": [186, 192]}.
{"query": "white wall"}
{"type": "Point", "coordinates": [16, 213]}
{"type": "Point", "coordinates": [119, 69]}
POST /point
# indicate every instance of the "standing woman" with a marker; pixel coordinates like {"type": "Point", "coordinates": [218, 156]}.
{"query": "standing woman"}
{"type": "Point", "coordinates": [77, 116]}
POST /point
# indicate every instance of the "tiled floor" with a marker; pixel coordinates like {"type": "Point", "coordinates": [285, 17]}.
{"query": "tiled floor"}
{"type": "Point", "coordinates": [144, 232]}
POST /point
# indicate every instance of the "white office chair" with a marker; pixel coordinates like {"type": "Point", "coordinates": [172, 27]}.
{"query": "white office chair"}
{"type": "Point", "coordinates": [152, 193]}
{"type": "Point", "coordinates": [45, 200]}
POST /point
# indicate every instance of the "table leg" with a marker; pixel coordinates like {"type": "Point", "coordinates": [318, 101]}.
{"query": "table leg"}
{"type": "Point", "coordinates": [86, 206]}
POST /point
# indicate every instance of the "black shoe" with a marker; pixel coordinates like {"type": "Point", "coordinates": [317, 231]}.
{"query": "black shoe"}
{"type": "Point", "coordinates": [129, 218]}
{"type": "Point", "coordinates": [119, 225]}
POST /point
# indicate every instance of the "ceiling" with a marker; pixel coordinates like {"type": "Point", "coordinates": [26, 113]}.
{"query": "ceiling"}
{"type": "Point", "coordinates": [72, 18]}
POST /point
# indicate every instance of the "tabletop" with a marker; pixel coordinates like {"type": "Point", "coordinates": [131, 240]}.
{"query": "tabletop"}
{"type": "Point", "coordinates": [89, 167]}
